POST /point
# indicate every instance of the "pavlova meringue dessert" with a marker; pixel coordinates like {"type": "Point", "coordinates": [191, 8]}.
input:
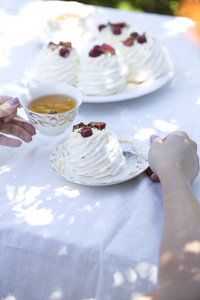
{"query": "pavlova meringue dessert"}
{"type": "Point", "coordinates": [113, 33]}
{"type": "Point", "coordinates": [146, 58]}
{"type": "Point", "coordinates": [55, 63]}
{"type": "Point", "coordinates": [101, 72]}
{"type": "Point", "coordinates": [94, 151]}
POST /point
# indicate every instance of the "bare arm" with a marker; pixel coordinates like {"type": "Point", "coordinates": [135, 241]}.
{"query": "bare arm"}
{"type": "Point", "coordinates": [176, 164]}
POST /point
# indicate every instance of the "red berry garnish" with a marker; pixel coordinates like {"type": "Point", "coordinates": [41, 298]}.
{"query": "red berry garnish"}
{"type": "Point", "coordinates": [121, 25]}
{"type": "Point", "coordinates": [128, 43]}
{"type": "Point", "coordinates": [98, 125]}
{"type": "Point", "coordinates": [66, 44]}
{"type": "Point", "coordinates": [64, 52]}
{"type": "Point", "coordinates": [96, 51]}
{"type": "Point", "coordinates": [107, 49]}
{"type": "Point", "coordinates": [52, 44]}
{"type": "Point", "coordinates": [86, 131]}
{"type": "Point", "coordinates": [116, 30]}
{"type": "Point", "coordinates": [100, 27]}
{"type": "Point", "coordinates": [134, 34]}
{"type": "Point", "coordinates": [78, 125]}
{"type": "Point", "coordinates": [141, 39]}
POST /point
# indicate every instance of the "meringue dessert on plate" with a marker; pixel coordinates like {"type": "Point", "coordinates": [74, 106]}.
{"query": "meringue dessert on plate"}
{"type": "Point", "coordinates": [101, 73]}
{"type": "Point", "coordinates": [94, 151]}
{"type": "Point", "coordinates": [55, 63]}
{"type": "Point", "coordinates": [146, 58]}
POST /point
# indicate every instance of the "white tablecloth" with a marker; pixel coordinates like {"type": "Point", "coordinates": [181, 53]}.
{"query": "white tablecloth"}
{"type": "Point", "coordinates": [60, 240]}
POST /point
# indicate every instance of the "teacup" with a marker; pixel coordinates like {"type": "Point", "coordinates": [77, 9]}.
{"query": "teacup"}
{"type": "Point", "coordinates": [56, 123]}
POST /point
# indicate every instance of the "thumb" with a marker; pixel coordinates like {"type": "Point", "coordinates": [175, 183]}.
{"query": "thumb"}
{"type": "Point", "coordinates": [155, 138]}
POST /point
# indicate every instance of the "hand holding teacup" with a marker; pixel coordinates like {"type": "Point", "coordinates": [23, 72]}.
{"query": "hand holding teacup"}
{"type": "Point", "coordinates": [8, 110]}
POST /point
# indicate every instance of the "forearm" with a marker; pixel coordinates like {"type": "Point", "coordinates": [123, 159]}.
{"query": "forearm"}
{"type": "Point", "coordinates": [181, 214]}
{"type": "Point", "coordinates": [179, 266]}
{"type": "Point", "coordinates": [180, 247]}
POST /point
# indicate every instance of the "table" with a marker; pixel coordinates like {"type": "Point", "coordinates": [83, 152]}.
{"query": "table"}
{"type": "Point", "coordinates": [60, 240]}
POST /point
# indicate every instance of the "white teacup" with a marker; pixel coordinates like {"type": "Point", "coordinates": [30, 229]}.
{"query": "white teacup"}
{"type": "Point", "coordinates": [51, 124]}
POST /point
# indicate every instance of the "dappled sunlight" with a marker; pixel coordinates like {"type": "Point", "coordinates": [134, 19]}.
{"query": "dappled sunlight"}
{"type": "Point", "coordinates": [147, 271]}
{"type": "Point", "coordinates": [87, 208]}
{"type": "Point", "coordinates": [178, 25]}
{"type": "Point", "coordinates": [65, 190]}
{"type": "Point", "coordinates": [9, 297]}
{"type": "Point", "coordinates": [15, 89]}
{"type": "Point", "coordinates": [198, 101]}
{"type": "Point", "coordinates": [166, 257]}
{"type": "Point", "coordinates": [63, 251]}
{"type": "Point", "coordinates": [131, 275]}
{"type": "Point", "coordinates": [164, 126]}
{"type": "Point", "coordinates": [118, 279]}
{"type": "Point", "coordinates": [56, 295]}
{"type": "Point", "coordinates": [192, 247]}
{"type": "Point", "coordinates": [10, 192]}
{"type": "Point", "coordinates": [34, 215]}
{"type": "Point", "coordinates": [4, 169]}
{"type": "Point", "coordinates": [26, 205]}
{"type": "Point", "coordinates": [29, 196]}
{"type": "Point", "coordinates": [141, 271]}
{"type": "Point", "coordinates": [143, 134]}
{"type": "Point", "coordinates": [71, 220]}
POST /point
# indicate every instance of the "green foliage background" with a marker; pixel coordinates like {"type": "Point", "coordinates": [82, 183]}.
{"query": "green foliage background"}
{"type": "Point", "coordinates": [165, 7]}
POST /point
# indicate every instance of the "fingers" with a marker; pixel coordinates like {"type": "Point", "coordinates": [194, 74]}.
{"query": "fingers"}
{"type": "Point", "coordinates": [8, 109]}
{"type": "Point", "coordinates": [28, 127]}
{"type": "Point", "coordinates": [4, 98]}
{"type": "Point", "coordinates": [154, 178]}
{"type": "Point", "coordinates": [154, 140]}
{"type": "Point", "coordinates": [10, 142]}
{"type": "Point", "coordinates": [18, 131]}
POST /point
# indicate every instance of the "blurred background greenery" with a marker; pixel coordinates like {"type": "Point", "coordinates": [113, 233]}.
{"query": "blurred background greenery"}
{"type": "Point", "coordinates": [164, 7]}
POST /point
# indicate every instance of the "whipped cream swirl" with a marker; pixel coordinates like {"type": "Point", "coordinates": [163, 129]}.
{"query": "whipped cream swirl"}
{"type": "Point", "coordinates": [50, 66]}
{"type": "Point", "coordinates": [97, 156]}
{"type": "Point", "coordinates": [102, 75]}
{"type": "Point", "coordinates": [146, 61]}
{"type": "Point", "coordinates": [106, 35]}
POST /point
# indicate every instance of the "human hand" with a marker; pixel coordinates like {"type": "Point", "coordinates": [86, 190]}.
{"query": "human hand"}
{"type": "Point", "coordinates": [176, 153]}
{"type": "Point", "coordinates": [8, 109]}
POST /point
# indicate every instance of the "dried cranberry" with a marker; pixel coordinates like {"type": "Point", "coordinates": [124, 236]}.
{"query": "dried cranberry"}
{"type": "Point", "coordinates": [66, 44]}
{"type": "Point", "coordinates": [96, 51]}
{"type": "Point", "coordinates": [116, 30]}
{"type": "Point", "coordinates": [78, 125]}
{"type": "Point", "coordinates": [100, 27]}
{"type": "Point", "coordinates": [121, 25]}
{"type": "Point", "coordinates": [141, 39]}
{"type": "Point", "coordinates": [52, 44]}
{"type": "Point", "coordinates": [107, 49]}
{"type": "Point", "coordinates": [98, 125]}
{"type": "Point", "coordinates": [86, 131]}
{"type": "Point", "coordinates": [64, 52]}
{"type": "Point", "coordinates": [128, 43]}
{"type": "Point", "coordinates": [134, 34]}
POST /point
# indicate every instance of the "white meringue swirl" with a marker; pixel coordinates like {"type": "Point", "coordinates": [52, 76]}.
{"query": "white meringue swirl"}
{"type": "Point", "coordinates": [107, 36]}
{"type": "Point", "coordinates": [51, 67]}
{"type": "Point", "coordinates": [102, 75]}
{"type": "Point", "coordinates": [146, 61]}
{"type": "Point", "coordinates": [97, 156]}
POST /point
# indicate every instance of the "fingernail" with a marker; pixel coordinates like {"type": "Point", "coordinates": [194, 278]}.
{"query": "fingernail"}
{"type": "Point", "coordinates": [14, 101]}
{"type": "Point", "coordinates": [152, 138]}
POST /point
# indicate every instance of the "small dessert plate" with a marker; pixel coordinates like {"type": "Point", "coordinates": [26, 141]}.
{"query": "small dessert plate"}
{"type": "Point", "coordinates": [135, 165]}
